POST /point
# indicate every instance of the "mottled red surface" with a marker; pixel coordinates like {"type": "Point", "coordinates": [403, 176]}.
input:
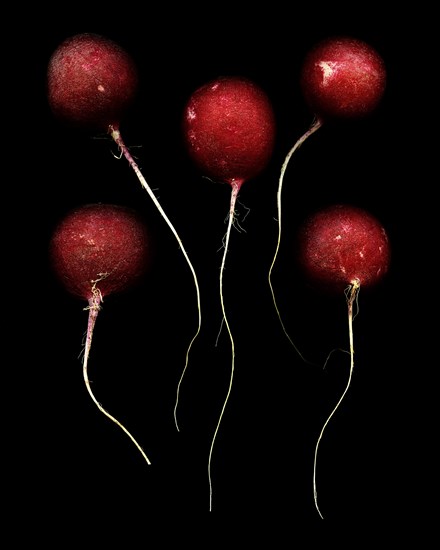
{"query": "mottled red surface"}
{"type": "Point", "coordinates": [341, 245]}
{"type": "Point", "coordinates": [91, 81]}
{"type": "Point", "coordinates": [229, 129]}
{"type": "Point", "coordinates": [100, 245]}
{"type": "Point", "coordinates": [343, 77]}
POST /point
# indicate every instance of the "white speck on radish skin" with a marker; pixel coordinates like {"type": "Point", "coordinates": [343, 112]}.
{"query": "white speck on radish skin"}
{"type": "Point", "coordinates": [328, 67]}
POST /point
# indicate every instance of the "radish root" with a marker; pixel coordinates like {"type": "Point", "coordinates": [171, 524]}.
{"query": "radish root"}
{"type": "Point", "coordinates": [234, 194]}
{"type": "Point", "coordinates": [94, 308]}
{"type": "Point", "coordinates": [116, 135]}
{"type": "Point", "coordinates": [317, 123]}
{"type": "Point", "coordinates": [351, 293]}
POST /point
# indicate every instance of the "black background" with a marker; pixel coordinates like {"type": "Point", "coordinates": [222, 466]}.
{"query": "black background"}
{"type": "Point", "coordinates": [370, 455]}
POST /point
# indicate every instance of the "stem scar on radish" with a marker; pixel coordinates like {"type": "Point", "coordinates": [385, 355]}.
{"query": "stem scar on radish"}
{"type": "Point", "coordinates": [229, 132]}
{"type": "Point", "coordinates": [342, 248]}
{"type": "Point", "coordinates": [91, 83]}
{"type": "Point", "coordinates": [341, 78]}
{"type": "Point", "coordinates": [97, 250]}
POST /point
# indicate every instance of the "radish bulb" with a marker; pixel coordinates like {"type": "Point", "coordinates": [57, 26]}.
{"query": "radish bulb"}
{"type": "Point", "coordinates": [341, 78]}
{"type": "Point", "coordinates": [91, 83]}
{"type": "Point", "coordinates": [229, 133]}
{"type": "Point", "coordinates": [342, 248]}
{"type": "Point", "coordinates": [97, 250]}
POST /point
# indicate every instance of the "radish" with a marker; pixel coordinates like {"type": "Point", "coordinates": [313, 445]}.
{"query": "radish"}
{"type": "Point", "coordinates": [342, 248]}
{"type": "Point", "coordinates": [91, 83]}
{"type": "Point", "coordinates": [229, 132]}
{"type": "Point", "coordinates": [95, 251]}
{"type": "Point", "coordinates": [341, 78]}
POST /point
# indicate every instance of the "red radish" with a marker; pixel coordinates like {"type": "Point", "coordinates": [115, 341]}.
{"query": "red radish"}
{"type": "Point", "coordinates": [341, 78]}
{"type": "Point", "coordinates": [91, 83]}
{"type": "Point", "coordinates": [97, 250]}
{"type": "Point", "coordinates": [343, 245]}
{"type": "Point", "coordinates": [229, 131]}
{"type": "Point", "coordinates": [342, 248]}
